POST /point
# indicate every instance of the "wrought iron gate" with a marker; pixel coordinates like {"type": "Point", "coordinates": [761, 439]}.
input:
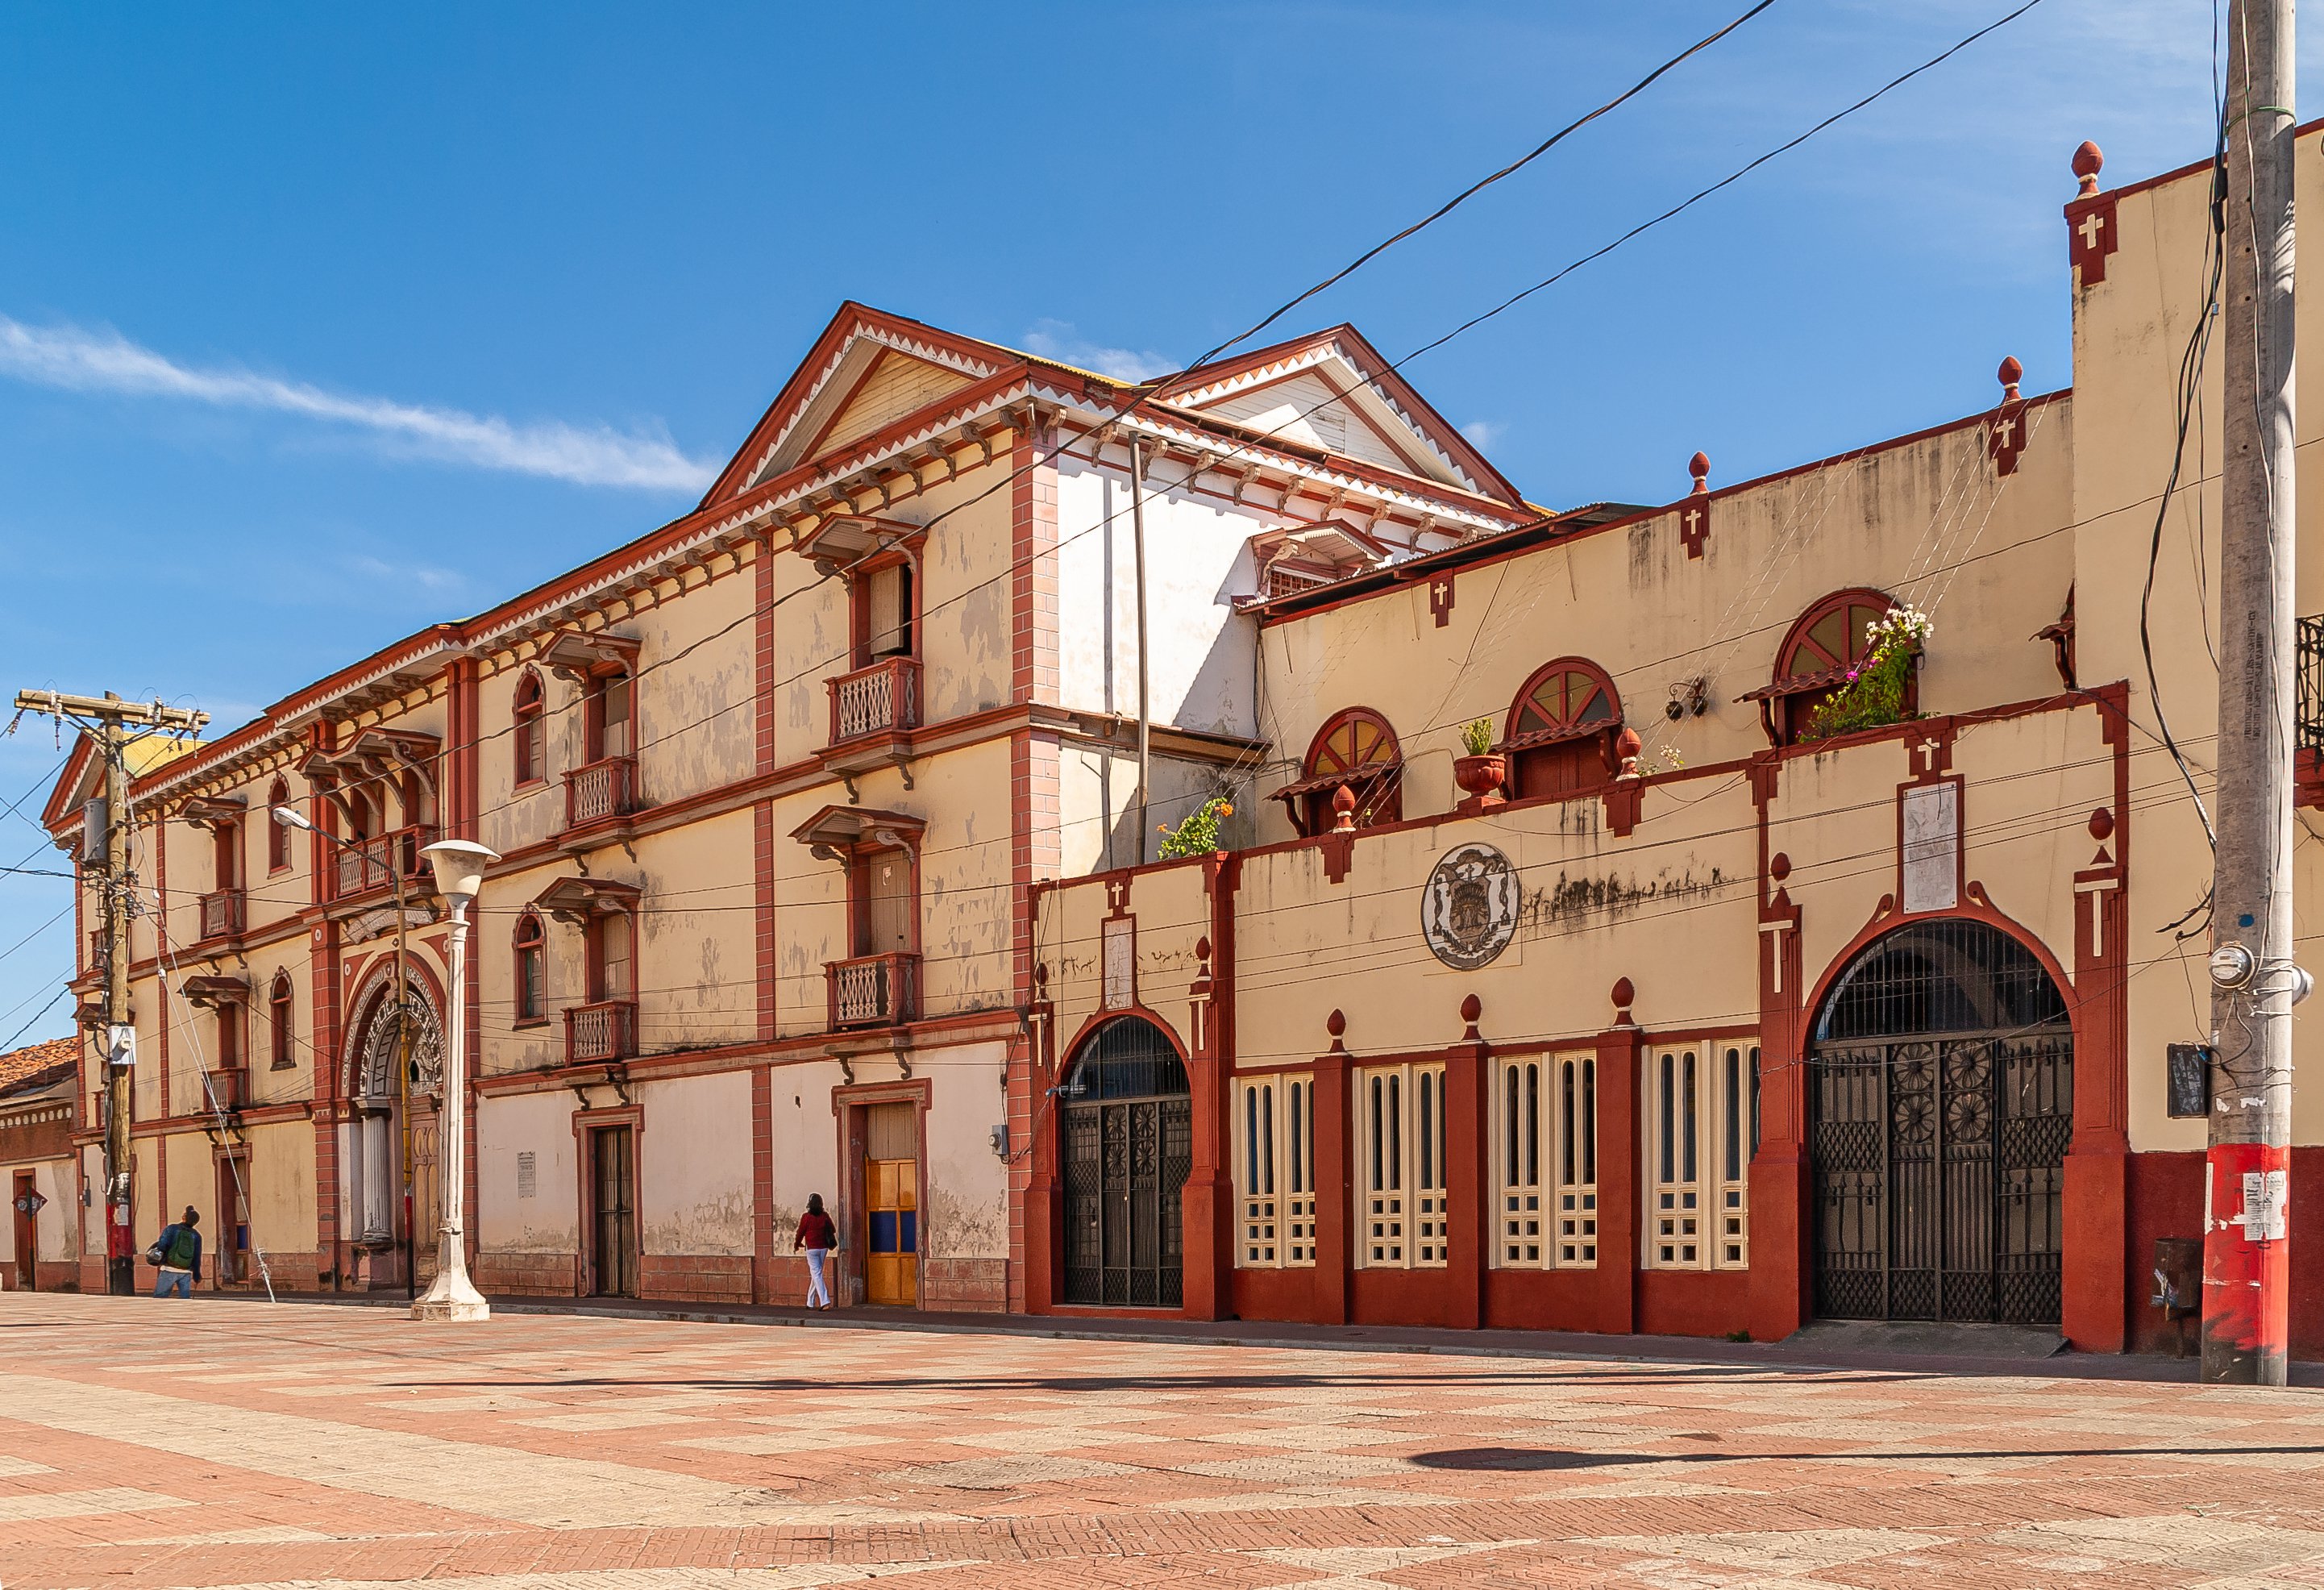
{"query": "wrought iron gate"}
{"type": "Point", "coordinates": [1126, 1160]}
{"type": "Point", "coordinates": [1939, 1166]}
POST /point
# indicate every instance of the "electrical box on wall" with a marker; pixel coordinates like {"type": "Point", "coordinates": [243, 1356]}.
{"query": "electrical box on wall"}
{"type": "Point", "coordinates": [2190, 1079]}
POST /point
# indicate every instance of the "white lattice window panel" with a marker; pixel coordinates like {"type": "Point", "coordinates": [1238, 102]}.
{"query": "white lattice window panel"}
{"type": "Point", "coordinates": [1401, 1136]}
{"type": "Point", "coordinates": [1736, 1079]}
{"type": "Point", "coordinates": [1275, 1192]}
{"type": "Point", "coordinates": [1702, 1105]}
{"type": "Point", "coordinates": [1520, 1107]}
{"type": "Point", "coordinates": [1577, 1160]}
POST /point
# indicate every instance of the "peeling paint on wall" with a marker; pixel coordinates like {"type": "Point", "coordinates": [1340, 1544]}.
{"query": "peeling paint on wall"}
{"type": "Point", "coordinates": [713, 1225]}
{"type": "Point", "coordinates": [1559, 905]}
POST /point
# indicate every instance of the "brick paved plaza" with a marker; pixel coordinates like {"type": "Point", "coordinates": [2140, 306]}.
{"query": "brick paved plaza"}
{"type": "Point", "coordinates": [230, 1442]}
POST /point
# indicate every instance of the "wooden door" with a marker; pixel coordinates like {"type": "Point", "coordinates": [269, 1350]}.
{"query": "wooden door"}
{"type": "Point", "coordinates": [616, 1213]}
{"type": "Point", "coordinates": [27, 1230]}
{"type": "Point", "coordinates": [891, 1199]}
{"type": "Point", "coordinates": [232, 1236]}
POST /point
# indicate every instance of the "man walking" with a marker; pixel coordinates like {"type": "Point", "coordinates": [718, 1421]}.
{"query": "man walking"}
{"type": "Point", "coordinates": [177, 1253]}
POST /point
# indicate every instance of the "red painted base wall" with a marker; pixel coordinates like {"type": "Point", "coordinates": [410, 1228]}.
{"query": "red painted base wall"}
{"type": "Point", "coordinates": [2166, 1199]}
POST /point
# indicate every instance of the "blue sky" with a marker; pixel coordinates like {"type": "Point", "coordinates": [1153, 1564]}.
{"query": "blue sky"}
{"type": "Point", "coordinates": [319, 324]}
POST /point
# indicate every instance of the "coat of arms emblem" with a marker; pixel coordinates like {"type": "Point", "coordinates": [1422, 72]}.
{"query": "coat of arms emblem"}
{"type": "Point", "coordinates": [1468, 911]}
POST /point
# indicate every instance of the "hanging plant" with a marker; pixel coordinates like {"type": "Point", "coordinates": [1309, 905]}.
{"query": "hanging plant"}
{"type": "Point", "coordinates": [1873, 695]}
{"type": "Point", "coordinates": [1198, 833]}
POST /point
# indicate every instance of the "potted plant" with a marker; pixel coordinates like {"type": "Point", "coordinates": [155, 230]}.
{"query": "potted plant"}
{"type": "Point", "coordinates": [1481, 773]}
{"type": "Point", "coordinates": [1873, 694]}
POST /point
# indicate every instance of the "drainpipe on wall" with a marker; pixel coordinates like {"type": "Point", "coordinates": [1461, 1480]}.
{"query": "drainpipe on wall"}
{"type": "Point", "coordinates": [1145, 724]}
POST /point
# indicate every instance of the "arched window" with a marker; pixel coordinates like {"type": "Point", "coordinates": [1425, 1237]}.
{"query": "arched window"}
{"type": "Point", "coordinates": [1815, 659]}
{"type": "Point", "coordinates": [531, 730]}
{"type": "Point", "coordinates": [532, 943]}
{"type": "Point", "coordinates": [1561, 729]}
{"type": "Point", "coordinates": [278, 835]}
{"type": "Point", "coordinates": [1355, 750]}
{"type": "Point", "coordinates": [280, 1047]}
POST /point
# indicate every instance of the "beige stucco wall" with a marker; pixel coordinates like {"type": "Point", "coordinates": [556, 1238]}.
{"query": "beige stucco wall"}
{"type": "Point", "coordinates": [694, 1165]}
{"type": "Point", "coordinates": [539, 1124]}
{"type": "Point", "coordinates": [53, 1226]}
{"type": "Point", "coordinates": [802, 1142]}
{"type": "Point", "coordinates": [967, 1216]}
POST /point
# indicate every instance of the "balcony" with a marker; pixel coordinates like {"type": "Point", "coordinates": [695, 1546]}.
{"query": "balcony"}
{"type": "Point", "coordinates": [368, 865]}
{"type": "Point", "coordinates": [2308, 726]}
{"type": "Point", "coordinates": [602, 791]}
{"type": "Point", "coordinates": [876, 700]}
{"type": "Point", "coordinates": [222, 915]}
{"type": "Point", "coordinates": [229, 1085]}
{"type": "Point", "coordinates": [606, 1030]}
{"type": "Point", "coordinates": [873, 990]}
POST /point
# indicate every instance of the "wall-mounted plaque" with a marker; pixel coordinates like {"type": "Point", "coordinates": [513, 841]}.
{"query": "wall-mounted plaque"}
{"type": "Point", "coordinates": [1468, 911]}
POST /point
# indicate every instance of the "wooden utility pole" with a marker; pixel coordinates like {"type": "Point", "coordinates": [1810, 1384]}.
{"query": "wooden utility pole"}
{"type": "Point", "coordinates": [2246, 1241]}
{"type": "Point", "coordinates": [108, 722]}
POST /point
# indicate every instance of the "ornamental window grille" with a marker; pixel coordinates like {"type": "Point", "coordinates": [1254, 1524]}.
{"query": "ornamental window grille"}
{"type": "Point", "coordinates": [1401, 1141]}
{"type": "Point", "coordinates": [1701, 1111]}
{"type": "Point", "coordinates": [1547, 1128]}
{"type": "Point", "coordinates": [1275, 1171]}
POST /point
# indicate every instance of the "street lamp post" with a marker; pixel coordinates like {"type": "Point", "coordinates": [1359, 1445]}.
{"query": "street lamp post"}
{"type": "Point", "coordinates": [459, 865]}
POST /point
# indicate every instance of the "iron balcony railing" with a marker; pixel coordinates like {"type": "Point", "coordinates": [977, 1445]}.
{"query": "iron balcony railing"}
{"type": "Point", "coordinates": [875, 700]}
{"type": "Point", "coordinates": [606, 1029]}
{"type": "Point", "coordinates": [229, 1085]}
{"type": "Point", "coordinates": [2309, 736]}
{"type": "Point", "coordinates": [364, 866]}
{"type": "Point", "coordinates": [601, 791]}
{"type": "Point", "coordinates": [222, 913]}
{"type": "Point", "coordinates": [873, 990]}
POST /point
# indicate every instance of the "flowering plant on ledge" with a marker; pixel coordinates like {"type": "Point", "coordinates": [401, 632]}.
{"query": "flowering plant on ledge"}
{"type": "Point", "coordinates": [1873, 696]}
{"type": "Point", "coordinates": [1198, 833]}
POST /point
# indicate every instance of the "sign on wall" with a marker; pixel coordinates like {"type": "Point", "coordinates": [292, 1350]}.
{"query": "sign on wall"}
{"type": "Point", "coordinates": [1932, 836]}
{"type": "Point", "coordinates": [1468, 911]}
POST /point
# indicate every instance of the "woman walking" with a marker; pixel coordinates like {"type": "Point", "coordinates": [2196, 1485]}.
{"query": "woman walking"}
{"type": "Point", "coordinates": [817, 1235]}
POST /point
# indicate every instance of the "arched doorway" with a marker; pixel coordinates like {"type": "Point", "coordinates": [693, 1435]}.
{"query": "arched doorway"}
{"type": "Point", "coordinates": [1127, 1127]}
{"type": "Point", "coordinates": [1941, 1101]}
{"type": "Point", "coordinates": [387, 1105]}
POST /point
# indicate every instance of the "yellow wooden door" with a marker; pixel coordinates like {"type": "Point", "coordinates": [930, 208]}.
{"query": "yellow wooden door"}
{"type": "Point", "coordinates": [891, 1198]}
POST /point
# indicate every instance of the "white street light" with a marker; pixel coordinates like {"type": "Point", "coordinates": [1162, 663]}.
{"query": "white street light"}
{"type": "Point", "coordinates": [291, 817]}
{"type": "Point", "coordinates": [459, 865]}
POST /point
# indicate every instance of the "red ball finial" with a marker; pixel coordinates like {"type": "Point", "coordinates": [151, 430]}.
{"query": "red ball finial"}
{"type": "Point", "coordinates": [1202, 947]}
{"type": "Point", "coordinates": [1470, 1009]}
{"type": "Point", "coordinates": [1626, 743]}
{"type": "Point", "coordinates": [1779, 866]}
{"type": "Point", "coordinates": [2088, 161]}
{"type": "Point", "coordinates": [1624, 993]}
{"type": "Point", "coordinates": [2101, 823]}
{"type": "Point", "coordinates": [1699, 467]}
{"type": "Point", "coordinates": [2010, 373]}
{"type": "Point", "coordinates": [1336, 1023]}
{"type": "Point", "coordinates": [1343, 808]}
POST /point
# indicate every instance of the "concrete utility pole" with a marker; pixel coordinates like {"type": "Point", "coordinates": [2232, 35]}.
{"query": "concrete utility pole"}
{"type": "Point", "coordinates": [107, 721]}
{"type": "Point", "coordinates": [2246, 1243]}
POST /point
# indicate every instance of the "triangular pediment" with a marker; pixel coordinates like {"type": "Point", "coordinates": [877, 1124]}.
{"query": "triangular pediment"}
{"type": "Point", "coordinates": [867, 372]}
{"type": "Point", "coordinates": [1334, 391]}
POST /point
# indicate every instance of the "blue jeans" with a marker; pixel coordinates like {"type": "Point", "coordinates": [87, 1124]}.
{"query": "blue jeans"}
{"type": "Point", "coordinates": [180, 1281]}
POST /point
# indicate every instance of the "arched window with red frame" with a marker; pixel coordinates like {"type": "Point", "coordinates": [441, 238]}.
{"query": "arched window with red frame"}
{"type": "Point", "coordinates": [1354, 750]}
{"type": "Point", "coordinates": [1560, 739]}
{"type": "Point", "coordinates": [531, 950]}
{"type": "Point", "coordinates": [531, 730]}
{"type": "Point", "coordinates": [278, 835]}
{"type": "Point", "coordinates": [279, 1045]}
{"type": "Point", "coordinates": [1831, 639]}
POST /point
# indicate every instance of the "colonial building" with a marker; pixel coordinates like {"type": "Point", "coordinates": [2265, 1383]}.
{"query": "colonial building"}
{"type": "Point", "coordinates": [37, 1085]}
{"type": "Point", "coordinates": [1718, 993]}
{"type": "Point", "coordinates": [1702, 917]}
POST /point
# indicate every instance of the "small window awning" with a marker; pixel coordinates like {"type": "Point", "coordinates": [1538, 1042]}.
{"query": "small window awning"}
{"type": "Point", "coordinates": [848, 537]}
{"type": "Point", "coordinates": [1352, 776]}
{"type": "Point", "coordinates": [576, 900]}
{"type": "Point", "coordinates": [210, 811]}
{"type": "Point", "coordinates": [1799, 684]}
{"type": "Point", "coordinates": [209, 992]}
{"type": "Point", "coordinates": [371, 754]}
{"type": "Point", "coordinates": [838, 828]}
{"type": "Point", "coordinates": [1534, 739]}
{"type": "Point", "coordinates": [580, 654]}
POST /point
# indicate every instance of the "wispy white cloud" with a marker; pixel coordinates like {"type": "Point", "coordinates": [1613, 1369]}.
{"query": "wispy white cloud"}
{"type": "Point", "coordinates": [427, 578]}
{"type": "Point", "coordinates": [1058, 340]}
{"type": "Point", "coordinates": [1484, 433]}
{"type": "Point", "coordinates": [75, 359]}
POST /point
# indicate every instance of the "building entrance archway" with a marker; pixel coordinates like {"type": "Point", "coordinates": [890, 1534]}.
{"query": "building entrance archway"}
{"type": "Point", "coordinates": [1941, 1105]}
{"type": "Point", "coordinates": [394, 1074]}
{"type": "Point", "coordinates": [1127, 1127]}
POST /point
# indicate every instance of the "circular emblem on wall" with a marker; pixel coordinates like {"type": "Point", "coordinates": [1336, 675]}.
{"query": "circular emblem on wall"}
{"type": "Point", "coordinates": [1469, 912]}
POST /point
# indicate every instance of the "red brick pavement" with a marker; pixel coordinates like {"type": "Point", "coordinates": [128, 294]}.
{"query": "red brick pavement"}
{"type": "Point", "coordinates": [230, 1444]}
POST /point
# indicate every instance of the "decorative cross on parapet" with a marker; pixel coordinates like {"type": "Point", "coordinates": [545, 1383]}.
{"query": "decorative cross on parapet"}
{"type": "Point", "coordinates": [2007, 438]}
{"type": "Point", "coordinates": [1439, 598]}
{"type": "Point", "coordinates": [1694, 513]}
{"type": "Point", "coordinates": [2090, 231]}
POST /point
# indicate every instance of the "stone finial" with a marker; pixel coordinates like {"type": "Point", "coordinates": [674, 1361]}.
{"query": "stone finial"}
{"type": "Point", "coordinates": [1626, 747]}
{"type": "Point", "coordinates": [2088, 161]}
{"type": "Point", "coordinates": [1336, 1024]}
{"type": "Point", "coordinates": [1699, 467]}
{"type": "Point", "coordinates": [1623, 996]}
{"type": "Point", "coordinates": [1344, 810]}
{"type": "Point", "coordinates": [2101, 825]}
{"type": "Point", "coordinates": [2009, 375]}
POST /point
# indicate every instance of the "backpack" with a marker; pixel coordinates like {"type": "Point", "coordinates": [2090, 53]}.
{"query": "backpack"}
{"type": "Point", "coordinates": [185, 1250]}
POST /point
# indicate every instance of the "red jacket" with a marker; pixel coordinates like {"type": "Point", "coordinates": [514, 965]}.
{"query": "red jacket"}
{"type": "Point", "coordinates": [817, 1231]}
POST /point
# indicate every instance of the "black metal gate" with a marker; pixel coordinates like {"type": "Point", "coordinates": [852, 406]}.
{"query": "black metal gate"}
{"type": "Point", "coordinates": [1939, 1150]}
{"type": "Point", "coordinates": [1128, 1134]}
